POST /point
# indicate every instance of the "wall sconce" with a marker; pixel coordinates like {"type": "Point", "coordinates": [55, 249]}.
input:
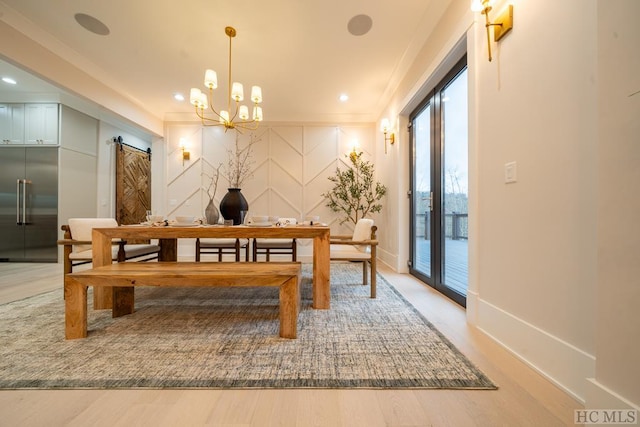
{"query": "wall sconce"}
{"type": "Point", "coordinates": [185, 154]}
{"type": "Point", "coordinates": [386, 128]}
{"type": "Point", "coordinates": [502, 24]}
{"type": "Point", "coordinates": [353, 155]}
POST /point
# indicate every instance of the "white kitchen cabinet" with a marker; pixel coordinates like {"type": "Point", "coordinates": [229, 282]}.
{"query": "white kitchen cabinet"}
{"type": "Point", "coordinates": [11, 124]}
{"type": "Point", "coordinates": [41, 123]}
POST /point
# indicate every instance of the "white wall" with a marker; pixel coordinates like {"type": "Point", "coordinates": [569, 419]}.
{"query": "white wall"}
{"type": "Point", "coordinates": [291, 164]}
{"type": "Point", "coordinates": [537, 105]}
{"type": "Point", "coordinates": [534, 262]}
{"type": "Point", "coordinates": [617, 377]}
{"type": "Point", "coordinates": [78, 159]}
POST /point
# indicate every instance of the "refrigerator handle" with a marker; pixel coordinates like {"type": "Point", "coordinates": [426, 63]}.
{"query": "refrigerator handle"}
{"type": "Point", "coordinates": [24, 200]}
{"type": "Point", "coordinates": [18, 201]}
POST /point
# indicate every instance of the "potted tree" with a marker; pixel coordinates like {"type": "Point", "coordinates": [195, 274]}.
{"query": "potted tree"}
{"type": "Point", "coordinates": [354, 193]}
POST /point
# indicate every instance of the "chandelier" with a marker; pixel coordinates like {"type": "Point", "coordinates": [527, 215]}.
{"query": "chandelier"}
{"type": "Point", "coordinates": [240, 118]}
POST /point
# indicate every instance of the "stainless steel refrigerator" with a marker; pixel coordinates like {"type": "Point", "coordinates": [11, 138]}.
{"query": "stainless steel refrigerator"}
{"type": "Point", "coordinates": [28, 204]}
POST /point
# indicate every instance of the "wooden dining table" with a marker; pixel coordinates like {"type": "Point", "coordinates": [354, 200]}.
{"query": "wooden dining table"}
{"type": "Point", "coordinates": [168, 240]}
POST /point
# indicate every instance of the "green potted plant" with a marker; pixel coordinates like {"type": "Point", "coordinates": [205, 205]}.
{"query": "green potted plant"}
{"type": "Point", "coordinates": [354, 193]}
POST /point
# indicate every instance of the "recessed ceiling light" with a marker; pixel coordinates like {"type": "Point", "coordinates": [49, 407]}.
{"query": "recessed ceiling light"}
{"type": "Point", "coordinates": [92, 24]}
{"type": "Point", "coordinates": [9, 80]}
{"type": "Point", "coordinates": [344, 97]}
{"type": "Point", "coordinates": [360, 25]}
{"type": "Point", "coordinates": [178, 97]}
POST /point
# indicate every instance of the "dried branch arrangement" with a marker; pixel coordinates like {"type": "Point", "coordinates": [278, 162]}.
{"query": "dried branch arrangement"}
{"type": "Point", "coordinates": [239, 163]}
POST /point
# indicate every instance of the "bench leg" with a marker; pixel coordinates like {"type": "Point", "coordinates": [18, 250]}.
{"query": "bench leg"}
{"type": "Point", "coordinates": [289, 307]}
{"type": "Point", "coordinates": [75, 309]}
{"type": "Point", "coordinates": [102, 299]}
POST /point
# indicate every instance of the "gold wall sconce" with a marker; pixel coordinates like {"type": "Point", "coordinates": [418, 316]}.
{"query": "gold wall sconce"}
{"type": "Point", "coordinates": [185, 154]}
{"type": "Point", "coordinates": [386, 129]}
{"type": "Point", "coordinates": [501, 25]}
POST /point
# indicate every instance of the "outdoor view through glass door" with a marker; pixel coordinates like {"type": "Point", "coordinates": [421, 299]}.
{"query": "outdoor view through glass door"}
{"type": "Point", "coordinates": [439, 187]}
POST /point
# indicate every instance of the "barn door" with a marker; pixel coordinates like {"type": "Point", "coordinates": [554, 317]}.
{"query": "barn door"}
{"type": "Point", "coordinates": [133, 184]}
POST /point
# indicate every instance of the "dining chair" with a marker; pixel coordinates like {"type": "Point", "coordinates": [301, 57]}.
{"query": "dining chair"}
{"type": "Point", "coordinates": [275, 246]}
{"type": "Point", "coordinates": [77, 244]}
{"type": "Point", "coordinates": [358, 247]}
{"type": "Point", "coordinates": [222, 246]}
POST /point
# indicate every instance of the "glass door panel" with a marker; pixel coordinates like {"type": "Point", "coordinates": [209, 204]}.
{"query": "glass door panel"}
{"type": "Point", "coordinates": [439, 187]}
{"type": "Point", "coordinates": [455, 188]}
{"type": "Point", "coordinates": [422, 200]}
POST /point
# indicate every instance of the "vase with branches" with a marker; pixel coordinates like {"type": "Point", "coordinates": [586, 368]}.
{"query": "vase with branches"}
{"type": "Point", "coordinates": [211, 212]}
{"type": "Point", "coordinates": [237, 169]}
{"type": "Point", "coordinates": [354, 192]}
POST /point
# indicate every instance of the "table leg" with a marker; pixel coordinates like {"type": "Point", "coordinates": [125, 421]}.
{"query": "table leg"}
{"type": "Point", "coordinates": [321, 272]}
{"type": "Point", "coordinates": [102, 296]}
{"type": "Point", "coordinates": [168, 250]}
{"type": "Point", "coordinates": [123, 301]}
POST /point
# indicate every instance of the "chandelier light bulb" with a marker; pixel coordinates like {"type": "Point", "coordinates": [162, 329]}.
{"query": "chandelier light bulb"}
{"type": "Point", "coordinates": [256, 94]}
{"type": "Point", "coordinates": [194, 96]}
{"type": "Point", "coordinates": [237, 92]}
{"type": "Point", "coordinates": [210, 79]}
{"type": "Point", "coordinates": [257, 114]}
{"type": "Point", "coordinates": [243, 112]}
{"type": "Point", "coordinates": [224, 117]}
{"type": "Point", "coordinates": [203, 103]}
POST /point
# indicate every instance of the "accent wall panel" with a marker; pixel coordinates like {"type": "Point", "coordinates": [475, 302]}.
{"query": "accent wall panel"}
{"type": "Point", "coordinates": [291, 164]}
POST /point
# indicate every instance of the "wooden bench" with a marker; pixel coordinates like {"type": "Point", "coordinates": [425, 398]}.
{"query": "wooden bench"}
{"type": "Point", "coordinates": [123, 277]}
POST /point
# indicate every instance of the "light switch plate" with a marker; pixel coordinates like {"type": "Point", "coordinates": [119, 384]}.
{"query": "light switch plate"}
{"type": "Point", "coordinates": [510, 172]}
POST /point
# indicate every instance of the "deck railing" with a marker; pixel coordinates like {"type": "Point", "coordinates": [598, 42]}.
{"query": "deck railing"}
{"type": "Point", "coordinates": [456, 225]}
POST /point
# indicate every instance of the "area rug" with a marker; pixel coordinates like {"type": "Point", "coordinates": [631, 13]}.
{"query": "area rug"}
{"type": "Point", "coordinates": [228, 338]}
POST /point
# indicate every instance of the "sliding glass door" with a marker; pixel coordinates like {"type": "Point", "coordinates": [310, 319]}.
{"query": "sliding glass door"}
{"type": "Point", "coordinates": [439, 187]}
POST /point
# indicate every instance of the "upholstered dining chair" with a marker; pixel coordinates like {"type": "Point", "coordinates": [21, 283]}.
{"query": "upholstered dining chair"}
{"type": "Point", "coordinates": [77, 244]}
{"type": "Point", "coordinates": [358, 247]}
{"type": "Point", "coordinates": [222, 246]}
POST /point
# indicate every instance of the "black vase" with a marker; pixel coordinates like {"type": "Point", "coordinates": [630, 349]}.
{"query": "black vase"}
{"type": "Point", "coordinates": [234, 206]}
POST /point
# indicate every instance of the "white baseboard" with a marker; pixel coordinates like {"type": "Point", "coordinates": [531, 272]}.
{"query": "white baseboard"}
{"type": "Point", "coordinates": [472, 307]}
{"type": "Point", "coordinates": [391, 260]}
{"type": "Point", "coordinates": [600, 397]}
{"type": "Point", "coordinates": [559, 361]}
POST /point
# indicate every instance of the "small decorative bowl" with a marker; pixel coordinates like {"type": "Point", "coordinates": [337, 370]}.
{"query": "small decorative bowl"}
{"type": "Point", "coordinates": [185, 219]}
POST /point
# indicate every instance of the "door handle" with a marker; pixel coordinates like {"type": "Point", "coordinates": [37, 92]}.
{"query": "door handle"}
{"type": "Point", "coordinates": [21, 194]}
{"type": "Point", "coordinates": [19, 181]}
{"type": "Point", "coordinates": [24, 200]}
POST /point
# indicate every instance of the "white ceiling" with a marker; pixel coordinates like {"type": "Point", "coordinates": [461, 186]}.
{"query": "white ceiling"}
{"type": "Point", "coordinates": [299, 51]}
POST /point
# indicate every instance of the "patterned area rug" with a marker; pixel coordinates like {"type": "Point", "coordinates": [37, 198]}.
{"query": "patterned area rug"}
{"type": "Point", "coordinates": [228, 338]}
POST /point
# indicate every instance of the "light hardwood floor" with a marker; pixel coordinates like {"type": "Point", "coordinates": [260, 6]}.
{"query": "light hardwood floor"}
{"type": "Point", "coordinates": [524, 397]}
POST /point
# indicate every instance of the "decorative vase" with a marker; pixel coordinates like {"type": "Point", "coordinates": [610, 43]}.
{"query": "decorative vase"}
{"type": "Point", "coordinates": [234, 206]}
{"type": "Point", "coordinates": [211, 213]}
